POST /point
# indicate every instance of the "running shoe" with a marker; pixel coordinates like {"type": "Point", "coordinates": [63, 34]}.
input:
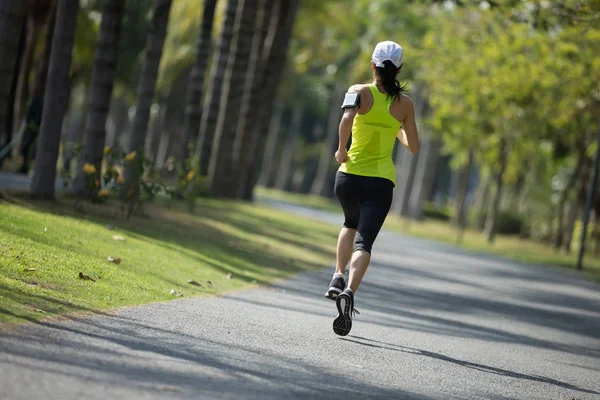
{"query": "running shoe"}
{"type": "Point", "coordinates": [336, 286]}
{"type": "Point", "coordinates": [345, 305]}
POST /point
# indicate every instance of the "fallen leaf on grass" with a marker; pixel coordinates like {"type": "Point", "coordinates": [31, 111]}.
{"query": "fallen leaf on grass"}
{"type": "Point", "coordinates": [118, 237]}
{"type": "Point", "coordinates": [191, 282]}
{"type": "Point", "coordinates": [229, 275]}
{"type": "Point", "coordinates": [29, 270]}
{"type": "Point", "coordinates": [10, 248]}
{"type": "Point", "coordinates": [85, 277]}
{"type": "Point", "coordinates": [113, 260]}
{"type": "Point", "coordinates": [40, 311]}
{"type": "Point", "coordinates": [174, 293]}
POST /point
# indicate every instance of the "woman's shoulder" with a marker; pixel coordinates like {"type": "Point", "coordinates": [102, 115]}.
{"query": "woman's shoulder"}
{"type": "Point", "coordinates": [361, 87]}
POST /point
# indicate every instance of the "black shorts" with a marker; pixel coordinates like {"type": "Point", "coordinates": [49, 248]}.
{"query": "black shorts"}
{"type": "Point", "coordinates": [366, 202]}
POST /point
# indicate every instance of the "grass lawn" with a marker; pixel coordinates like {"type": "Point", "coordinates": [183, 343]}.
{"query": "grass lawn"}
{"type": "Point", "coordinates": [44, 247]}
{"type": "Point", "coordinates": [510, 247]}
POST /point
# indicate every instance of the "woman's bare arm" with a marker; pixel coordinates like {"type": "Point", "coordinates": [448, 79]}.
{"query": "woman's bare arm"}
{"type": "Point", "coordinates": [408, 134]}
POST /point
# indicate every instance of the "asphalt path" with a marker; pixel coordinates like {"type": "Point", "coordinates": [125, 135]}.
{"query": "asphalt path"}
{"type": "Point", "coordinates": [435, 323]}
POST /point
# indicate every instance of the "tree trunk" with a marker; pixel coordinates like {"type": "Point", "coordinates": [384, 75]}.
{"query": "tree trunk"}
{"type": "Point", "coordinates": [482, 203]}
{"type": "Point", "coordinates": [12, 13]}
{"type": "Point", "coordinates": [461, 212]}
{"type": "Point", "coordinates": [271, 145]}
{"type": "Point", "coordinates": [41, 74]}
{"type": "Point", "coordinates": [38, 12]}
{"type": "Point", "coordinates": [326, 158]}
{"type": "Point", "coordinates": [103, 79]}
{"type": "Point", "coordinates": [405, 167]}
{"type": "Point", "coordinates": [211, 111]}
{"type": "Point", "coordinates": [276, 56]}
{"type": "Point", "coordinates": [147, 85]}
{"type": "Point", "coordinates": [424, 176]}
{"type": "Point", "coordinates": [55, 100]}
{"type": "Point", "coordinates": [221, 170]}
{"type": "Point", "coordinates": [284, 172]}
{"type": "Point", "coordinates": [193, 107]}
{"type": "Point", "coordinates": [560, 230]}
{"type": "Point", "coordinates": [490, 223]}
{"type": "Point", "coordinates": [246, 140]}
{"type": "Point", "coordinates": [462, 187]}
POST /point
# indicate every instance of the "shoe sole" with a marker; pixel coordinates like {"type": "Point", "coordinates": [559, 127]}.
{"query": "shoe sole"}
{"type": "Point", "coordinates": [342, 323]}
{"type": "Point", "coordinates": [333, 293]}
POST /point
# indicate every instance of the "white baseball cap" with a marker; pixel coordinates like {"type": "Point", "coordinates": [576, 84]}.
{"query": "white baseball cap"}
{"type": "Point", "coordinates": [387, 50]}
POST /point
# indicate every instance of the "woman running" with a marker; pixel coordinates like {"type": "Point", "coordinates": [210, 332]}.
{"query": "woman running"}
{"type": "Point", "coordinates": [375, 115]}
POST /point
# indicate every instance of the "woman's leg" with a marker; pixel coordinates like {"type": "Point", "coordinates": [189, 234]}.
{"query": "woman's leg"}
{"type": "Point", "coordinates": [347, 192]}
{"type": "Point", "coordinates": [345, 245]}
{"type": "Point", "coordinates": [373, 212]}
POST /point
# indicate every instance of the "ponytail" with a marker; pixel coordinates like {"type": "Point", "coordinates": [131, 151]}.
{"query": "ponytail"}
{"type": "Point", "coordinates": [386, 76]}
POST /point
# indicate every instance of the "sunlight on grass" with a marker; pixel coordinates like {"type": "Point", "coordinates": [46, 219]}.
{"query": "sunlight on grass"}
{"type": "Point", "coordinates": [44, 247]}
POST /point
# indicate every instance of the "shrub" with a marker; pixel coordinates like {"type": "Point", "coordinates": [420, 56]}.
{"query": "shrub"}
{"type": "Point", "coordinates": [432, 211]}
{"type": "Point", "coordinates": [509, 223]}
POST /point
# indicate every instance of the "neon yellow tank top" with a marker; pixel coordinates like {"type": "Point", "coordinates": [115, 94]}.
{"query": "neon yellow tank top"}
{"type": "Point", "coordinates": [373, 138]}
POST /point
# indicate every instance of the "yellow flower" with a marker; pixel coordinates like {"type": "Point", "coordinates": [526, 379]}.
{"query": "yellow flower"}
{"type": "Point", "coordinates": [103, 193]}
{"type": "Point", "coordinates": [120, 180]}
{"type": "Point", "coordinates": [190, 175]}
{"type": "Point", "coordinates": [89, 169]}
{"type": "Point", "coordinates": [130, 156]}
{"type": "Point", "coordinates": [106, 150]}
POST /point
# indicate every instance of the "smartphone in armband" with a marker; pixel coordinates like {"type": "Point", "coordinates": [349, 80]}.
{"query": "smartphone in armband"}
{"type": "Point", "coordinates": [351, 100]}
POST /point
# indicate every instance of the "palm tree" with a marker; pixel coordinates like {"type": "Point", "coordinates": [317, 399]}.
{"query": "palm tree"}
{"type": "Point", "coordinates": [55, 100]}
{"type": "Point", "coordinates": [245, 140]}
{"type": "Point", "coordinates": [275, 58]}
{"type": "Point", "coordinates": [210, 113]}
{"type": "Point", "coordinates": [284, 172]}
{"type": "Point", "coordinates": [193, 108]}
{"type": "Point", "coordinates": [331, 141]}
{"type": "Point", "coordinates": [147, 85]}
{"type": "Point", "coordinates": [270, 147]}
{"type": "Point", "coordinates": [12, 14]}
{"type": "Point", "coordinates": [103, 78]}
{"type": "Point", "coordinates": [38, 12]}
{"type": "Point", "coordinates": [221, 170]}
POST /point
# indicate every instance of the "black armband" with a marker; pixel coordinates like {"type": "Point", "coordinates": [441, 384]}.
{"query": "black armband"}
{"type": "Point", "coordinates": [351, 100]}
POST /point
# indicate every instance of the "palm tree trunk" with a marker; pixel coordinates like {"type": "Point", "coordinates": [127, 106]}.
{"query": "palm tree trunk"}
{"type": "Point", "coordinates": [193, 107]}
{"type": "Point", "coordinates": [12, 14]}
{"type": "Point", "coordinates": [284, 172]}
{"type": "Point", "coordinates": [271, 145]}
{"type": "Point", "coordinates": [55, 100]}
{"type": "Point", "coordinates": [331, 141]}
{"type": "Point", "coordinates": [103, 79]}
{"type": "Point", "coordinates": [41, 73]}
{"type": "Point", "coordinates": [38, 12]}
{"type": "Point", "coordinates": [245, 136]}
{"type": "Point", "coordinates": [276, 56]}
{"type": "Point", "coordinates": [147, 85]}
{"type": "Point", "coordinates": [221, 170]}
{"type": "Point", "coordinates": [490, 223]}
{"type": "Point", "coordinates": [211, 111]}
